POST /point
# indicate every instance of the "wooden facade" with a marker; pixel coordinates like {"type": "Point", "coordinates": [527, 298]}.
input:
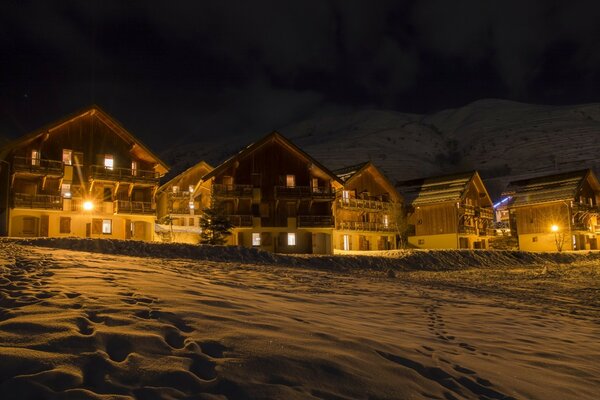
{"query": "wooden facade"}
{"type": "Point", "coordinates": [556, 212]}
{"type": "Point", "coordinates": [277, 197]}
{"type": "Point", "coordinates": [84, 176]}
{"type": "Point", "coordinates": [448, 212]}
{"type": "Point", "coordinates": [367, 210]}
{"type": "Point", "coordinates": [179, 203]}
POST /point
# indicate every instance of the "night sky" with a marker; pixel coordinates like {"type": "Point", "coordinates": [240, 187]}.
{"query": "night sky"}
{"type": "Point", "coordinates": [176, 72]}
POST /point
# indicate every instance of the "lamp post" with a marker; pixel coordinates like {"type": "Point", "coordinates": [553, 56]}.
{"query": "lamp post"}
{"type": "Point", "coordinates": [559, 237]}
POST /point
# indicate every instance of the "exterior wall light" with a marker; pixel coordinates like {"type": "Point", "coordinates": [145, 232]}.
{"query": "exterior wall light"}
{"type": "Point", "coordinates": [88, 205]}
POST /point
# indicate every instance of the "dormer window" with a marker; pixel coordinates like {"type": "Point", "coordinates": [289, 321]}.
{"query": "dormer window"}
{"type": "Point", "coordinates": [67, 157]}
{"type": "Point", "coordinates": [109, 161]}
{"type": "Point", "coordinates": [290, 181]}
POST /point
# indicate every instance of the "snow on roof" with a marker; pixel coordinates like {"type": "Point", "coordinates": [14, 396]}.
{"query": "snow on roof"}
{"type": "Point", "coordinates": [347, 172]}
{"type": "Point", "coordinates": [435, 190]}
{"type": "Point", "coordinates": [547, 188]}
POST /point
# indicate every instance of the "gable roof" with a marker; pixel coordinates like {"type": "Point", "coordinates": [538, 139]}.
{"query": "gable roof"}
{"type": "Point", "coordinates": [549, 188]}
{"type": "Point", "coordinates": [102, 116]}
{"type": "Point", "coordinates": [438, 189]}
{"type": "Point", "coordinates": [347, 174]}
{"type": "Point", "coordinates": [273, 136]}
{"type": "Point", "coordinates": [187, 171]}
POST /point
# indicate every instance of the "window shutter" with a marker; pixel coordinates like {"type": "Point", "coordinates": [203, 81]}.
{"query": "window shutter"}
{"type": "Point", "coordinates": [65, 224]}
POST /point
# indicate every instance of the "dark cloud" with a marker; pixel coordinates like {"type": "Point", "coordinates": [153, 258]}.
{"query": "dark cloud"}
{"type": "Point", "coordinates": [196, 69]}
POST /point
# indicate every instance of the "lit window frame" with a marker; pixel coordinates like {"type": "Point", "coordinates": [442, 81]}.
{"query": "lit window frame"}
{"type": "Point", "coordinates": [256, 239]}
{"type": "Point", "coordinates": [107, 226]}
{"type": "Point", "coordinates": [67, 157]}
{"type": "Point", "coordinates": [109, 162]}
{"type": "Point", "coordinates": [290, 181]}
{"type": "Point", "coordinates": [291, 239]}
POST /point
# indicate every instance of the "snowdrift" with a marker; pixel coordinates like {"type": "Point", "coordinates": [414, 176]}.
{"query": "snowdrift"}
{"type": "Point", "coordinates": [428, 260]}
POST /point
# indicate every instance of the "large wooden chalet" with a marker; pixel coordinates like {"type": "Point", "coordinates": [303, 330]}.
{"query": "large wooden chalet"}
{"type": "Point", "coordinates": [366, 210]}
{"type": "Point", "coordinates": [278, 197]}
{"type": "Point", "coordinates": [83, 176]}
{"type": "Point", "coordinates": [448, 212]}
{"type": "Point", "coordinates": [556, 212]}
{"type": "Point", "coordinates": [179, 204]}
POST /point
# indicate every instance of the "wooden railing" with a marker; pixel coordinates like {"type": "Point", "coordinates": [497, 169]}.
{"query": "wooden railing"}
{"type": "Point", "coordinates": [303, 192]}
{"type": "Point", "coordinates": [44, 201]}
{"type": "Point", "coordinates": [486, 213]}
{"type": "Point", "coordinates": [469, 230]}
{"type": "Point", "coordinates": [366, 226]}
{"type": "Point", "coordinates": [37, 165]}
{"type": "Point", "coordinates": [586, 208]}
{"type": "Point", "coordinates": [467, 209]}
{"type": "Point", "coordinates": [133, 207]}
{"type": "Point", "coordinates": [360, 204]}
{"type": "Point", "coordinates": [100, 172]}
{"type": "Point", "coordinates": [240, 220]}
{"type": "Point", "coordinates": [315, 221]}
{"type": "Point", "coordinates": [487, 232]}
{"type": "Point", "coordinates": [232, 191]}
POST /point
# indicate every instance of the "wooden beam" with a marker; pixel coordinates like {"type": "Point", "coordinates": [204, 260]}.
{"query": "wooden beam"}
{"type": "Point", "coordinates": [130, 190]}
{"type": "Point", "coordinates": [44, 179]}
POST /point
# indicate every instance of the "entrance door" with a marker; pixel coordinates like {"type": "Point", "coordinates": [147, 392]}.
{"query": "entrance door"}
{"type": "Point", "coordinates": [139, 230]}
{"type": "Point", "coordinates": [44, 222]}
{"type": "Point", "coordinates": [463, 243]}
{"type": "Point", "coordinates": [88, 230]}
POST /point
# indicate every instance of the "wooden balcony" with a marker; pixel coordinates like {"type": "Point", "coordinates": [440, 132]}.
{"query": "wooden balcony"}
{"type": "Point", "coordinates": [486, 213]}
{"type": "Point", "coordinates": [240, 220]}
{"type": "Point", "coordinates": [366, 226]}
{"type": "Point", "coordinates": [467, 209]}
{"type": "Point", "coordinates": [363, 205]}
{"type": "Point", "coordinates": [232, 191]}
{"type": "Point", "coordinates": [43, 201]}
{"type": "Point", "coordinates": [303, 192]}
{"type": "Point", "coordinates": [37, 166]}
{"type": "Point", "coordinates": [314, 221]}
{"type": "Point", "coordinates": [133, 207]}
{"type": "Point", "coordinates": [487, 232]}
{"type": "Point", "coordinates": [585, 208]}
{"type": "Point", "coordinates": [467, 230]}
{"type": "Point", "coordinates": [181, 210]}
{"type": "Point", "coordinates": [102, 173]}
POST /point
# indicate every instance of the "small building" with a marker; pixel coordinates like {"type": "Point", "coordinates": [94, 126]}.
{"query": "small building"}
{"type": "Point", "coordinates": [278, 197]}
{"type": "Point", "coordinates": [83, 176]}
{"type": "Point", "coordinates": [556, 212]}
{"type": "Point", "coordinates": [367, 210]}
{"type": "Point", "coordinates": [448, 212]}
{"type": "Point", "coordinates": [179, 203]}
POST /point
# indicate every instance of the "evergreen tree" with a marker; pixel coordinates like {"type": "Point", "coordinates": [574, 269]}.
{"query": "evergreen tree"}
{"type": "Point", "coordinates": [215, 225]}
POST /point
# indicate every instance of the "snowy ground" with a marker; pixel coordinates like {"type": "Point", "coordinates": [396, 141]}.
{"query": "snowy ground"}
{"type": "Point", "coordinates": [91, 325]}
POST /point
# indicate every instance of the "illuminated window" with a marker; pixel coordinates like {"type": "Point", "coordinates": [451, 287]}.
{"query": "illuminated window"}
{"type": "Point", "coordinates": [35, 157]}
{"type": "Point", "coordinates": [255, 239]}
{"type": "Point", "coordinates": [290, 181]}
{"type": "Point", "coordinates": [191, 188]}
{"type": "Point", "coordinates": [109, 161]}
{"type": "Point", "coordinates": [291, 239]}
{"type": "Point", "coordinates": [134, 167]}
{"type": "Point", "coordinates": [315, 184]}
{"type": "Point", "coordinates": [191, 205]}
{"type": "Point", "coordinates": [107, 226]}
{"type": "Point", "coordinates": [345, 196]}
{"type": "Point", "coordinates": [175, 189]}
{"type": "Point", "coordinates": [385, 221]}
{"type": "Point", "coordinates": [65, 190]}
{"type": "Point", "coordinates": [346, 242]}
{"type": "Point", "coordinates": [67, 158]}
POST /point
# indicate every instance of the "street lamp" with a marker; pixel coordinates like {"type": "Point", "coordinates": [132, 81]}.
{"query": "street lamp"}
{"type": "Point", "coordinates": [88, 205]}
{"type": "Point", "coordinates": [559, 237]}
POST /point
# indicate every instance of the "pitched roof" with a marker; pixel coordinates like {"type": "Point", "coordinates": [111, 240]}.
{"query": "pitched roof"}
{"type": "Point", "coordinates": [438, 189]}
{"type": "Point", "coordinates": [347, 172]}
{"type": "Point", "coordinates": [549, 188]}
{"type": "Point", "coordinates": [182, 174]}
{"type": "Point", "coordinates": [256, 145]}
{"type": "Point", "coordinates": [91, 110]}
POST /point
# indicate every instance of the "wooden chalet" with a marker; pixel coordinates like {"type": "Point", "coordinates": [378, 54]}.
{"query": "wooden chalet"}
{"type": "Point", "coordinates": [83, 176]}
{"type": "Point", "coordinates": [278, 197]}
{"type": "Point", "coordinates": [179, 203]}
{"type": "Point", "coordinates": [366, 210]}
{"type": "Point", "coordinates": [556, 212]}
{"type": "Point", "coordinates": [448, 212]}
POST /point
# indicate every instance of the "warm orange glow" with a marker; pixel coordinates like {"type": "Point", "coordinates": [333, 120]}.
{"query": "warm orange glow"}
{"type": "Point", "coordinates": [88, 205]}
{"type": "Point", "coordinates": [554, 228]}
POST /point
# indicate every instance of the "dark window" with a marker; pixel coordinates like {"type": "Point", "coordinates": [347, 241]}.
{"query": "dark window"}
{"type": "Point", "coordinates": [107, 194]}
{"type": "Point", "coordinates": [65, 225]}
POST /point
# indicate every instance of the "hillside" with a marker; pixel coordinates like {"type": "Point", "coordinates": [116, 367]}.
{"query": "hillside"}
{"type": "Point", "coordinates": [503, 139]}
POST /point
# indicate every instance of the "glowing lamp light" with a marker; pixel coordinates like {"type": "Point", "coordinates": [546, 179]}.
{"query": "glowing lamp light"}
{"type": "Point", "coordinates": [191, 205]}
{"type": "Point", "coordinates": [88, 205]}
{"type": "Point", "coordinates": [554, 228]}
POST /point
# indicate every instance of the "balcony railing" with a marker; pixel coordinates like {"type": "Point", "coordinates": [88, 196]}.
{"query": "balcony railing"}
{"type": "Point", "coordinates": [100, 172]}
{"type": "Point", "coordinates": [314, 221]}
{"type": "Point", "coordinates": [44, 201]}
{"type": "Point", "coordinates": [240, 220]}
{"type": "Point", "coordinates": [586, 208]}
{"type": "Point", "coordinates": [367, 226]}
{"type": "Point", "coordinates": [468, 230]}
{"type": "Point", "coordinates": [360, 204]}
{"type": "Point", "coordinates": [181, 210]}
{"type": "Point", "coordinates": [295, 192]}
{"type": "Point", "coordinates": [486, 213]}
{"type": "Point", "coordinates": [232, 191]}
{"type": "Point", "coordinates": [487, 232]}
{"type": "Point", "coordinates": [179, 195]}
{"type": "Point", "coordinates": [467, 209]}
{"type": "Point", "coordinates": [133, 207]}
{"type": "Point", "coordinates": [37, 166]}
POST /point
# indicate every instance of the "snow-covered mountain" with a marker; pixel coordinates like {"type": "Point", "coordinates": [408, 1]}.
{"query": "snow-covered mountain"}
{"type": "Point", "coordinates": [504, 140]}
